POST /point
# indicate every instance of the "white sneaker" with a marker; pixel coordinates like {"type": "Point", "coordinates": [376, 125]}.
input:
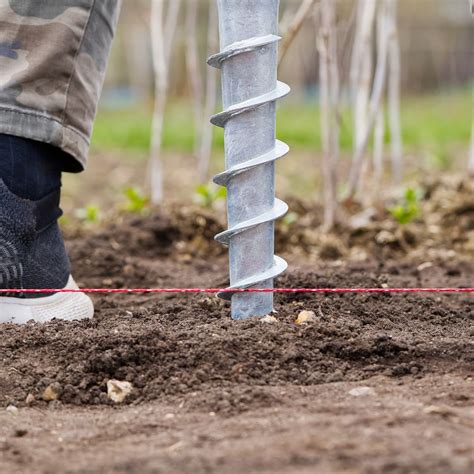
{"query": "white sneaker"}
{"type": "Point", "coordinates": [66, 306]}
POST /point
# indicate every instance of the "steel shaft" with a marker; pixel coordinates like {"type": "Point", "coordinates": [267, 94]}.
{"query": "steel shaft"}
{"type": "Point", "coordinates": [248, 60]}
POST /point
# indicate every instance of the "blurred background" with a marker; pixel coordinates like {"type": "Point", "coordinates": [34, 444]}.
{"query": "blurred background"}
{"type": "Point", "coordinates": [436, 40]}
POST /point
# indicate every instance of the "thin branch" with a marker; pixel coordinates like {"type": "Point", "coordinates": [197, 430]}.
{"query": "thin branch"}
{"type": "Point", "coordinates": [193, 66]}
{"type": "Point", "coordinates": [205, 149]}
{"type": "Point", "coordinates": [329, 93]}
{"type": "Point", "coordinates": [362, 68]}
{"type": "Point", "coordinates": [161, 40]}
{"type": "Point", "coordinates": [379, 127]}
{"type": "Point", "coordinates": [375, 101]}
{"type": "Point", "coordinates": [170, 26]}
{"type": "Point", "coordinates": [394, 80]}
{"type": "Point", "coordinates": [294, 27]}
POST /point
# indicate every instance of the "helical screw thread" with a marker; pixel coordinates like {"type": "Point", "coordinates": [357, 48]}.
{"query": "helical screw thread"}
{"type": "Point", "coordinates": [251, 150]}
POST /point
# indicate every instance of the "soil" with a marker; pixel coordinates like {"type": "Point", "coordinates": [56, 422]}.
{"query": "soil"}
{"type": "Point", "coordinates": [376, 383]}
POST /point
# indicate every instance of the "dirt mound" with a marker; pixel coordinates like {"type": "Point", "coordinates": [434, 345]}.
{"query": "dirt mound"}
{"type": "Point", "coordinates": [442, 229]}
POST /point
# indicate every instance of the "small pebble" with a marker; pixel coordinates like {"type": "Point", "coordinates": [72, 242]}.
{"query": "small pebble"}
{"type": "Point", "coordinates": [12, 409]}
{"type": "Point", "coordinates": [118, 390]}
{"type": "Point", "coordinates": [306, 317]}
{"type": "Point", "coordinates": [268, 319]}
{"type": "Point", "coordinates": [424, 266]}
{"type": "Point", "coordinates": [30, 399]}
{"type": "Point", "coordinates": [362, 391]}
{"type": "Point", "coordinates": [51, 392]}
{"type": "Point", "coordinates": [385, 237]}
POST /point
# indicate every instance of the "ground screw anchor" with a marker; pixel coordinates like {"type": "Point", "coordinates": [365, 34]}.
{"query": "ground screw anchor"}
{"type": "Point", "coordinates": [248, 60]}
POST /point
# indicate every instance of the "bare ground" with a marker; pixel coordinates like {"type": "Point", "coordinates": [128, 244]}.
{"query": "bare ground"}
{"type": "Point", "coordinates": [377, 383]}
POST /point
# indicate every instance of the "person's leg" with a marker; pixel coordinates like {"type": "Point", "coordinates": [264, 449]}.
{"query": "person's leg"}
{"type": "Point", "coordinates": [53, 56]}
{"type": "Point", "coordinates": [28, 168]}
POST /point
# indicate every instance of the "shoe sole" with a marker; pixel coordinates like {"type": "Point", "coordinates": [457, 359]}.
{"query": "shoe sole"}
{"type": "Point", "coordinates": [64, 306]}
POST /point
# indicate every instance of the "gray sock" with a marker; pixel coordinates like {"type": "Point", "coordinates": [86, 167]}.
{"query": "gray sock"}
{"type": "Point", "coordinates": [32, 252]}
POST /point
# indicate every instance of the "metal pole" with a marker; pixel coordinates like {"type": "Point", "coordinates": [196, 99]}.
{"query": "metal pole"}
{"type": "Point", "coordinates": [248, 59]}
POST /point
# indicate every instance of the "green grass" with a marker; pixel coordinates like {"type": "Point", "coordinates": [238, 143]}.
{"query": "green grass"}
{"type": "Point", "coordinates": [434, 123]}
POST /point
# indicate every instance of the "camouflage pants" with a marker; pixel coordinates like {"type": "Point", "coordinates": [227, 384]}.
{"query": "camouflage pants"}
{"type": "Point", "coordinates": [53, 56]}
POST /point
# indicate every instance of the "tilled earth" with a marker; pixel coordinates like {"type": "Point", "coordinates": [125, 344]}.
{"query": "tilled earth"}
{"type": "Point", "coordinates": [376, 383]}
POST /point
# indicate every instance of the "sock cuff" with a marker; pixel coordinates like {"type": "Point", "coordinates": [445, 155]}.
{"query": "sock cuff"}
{"type": "Point", "coordinates": [32, 253]}
{"type": "Point", "coordinates": [34, 215]}
{"type": "Point", "coordinates": [47, 210]}
{"type": "Point", "coordinates": [30, 169]}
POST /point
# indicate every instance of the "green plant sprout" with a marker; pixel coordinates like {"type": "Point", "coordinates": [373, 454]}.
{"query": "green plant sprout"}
{"type": "Point", "coordinates": [89, 214]}
{"type": "Point", "coordinates": [208, 195]}
{"type": "Point", "coordinates": [289, 219]}
{"type": "Point", "coordinates": [136, 200]}
{"type": "Point", "coordinates": [409, 208]}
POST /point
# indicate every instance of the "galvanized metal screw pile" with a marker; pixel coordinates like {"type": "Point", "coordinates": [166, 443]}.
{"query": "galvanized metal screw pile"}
{"type": "Point", "coordinates": [248, 59]}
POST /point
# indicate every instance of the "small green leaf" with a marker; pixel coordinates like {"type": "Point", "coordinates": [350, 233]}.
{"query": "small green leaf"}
{"type": "Point", "coordinates": [136, 200]}
{"type": "Point", "coordinates": [89, 214]}
{"type": "Point", "coordinates": [409, 208]}
{"type": "Point", "coordinates": [208, 194]}
{"type": "Point", "coordinates": [290, 219]}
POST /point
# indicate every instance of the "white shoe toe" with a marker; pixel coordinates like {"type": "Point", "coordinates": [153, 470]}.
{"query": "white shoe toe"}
{"type": "Point", "coordinates": [65, 306]}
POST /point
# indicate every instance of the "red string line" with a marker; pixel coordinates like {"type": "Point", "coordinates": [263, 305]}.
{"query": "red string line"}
{"type": "Point", "coordinates": [240, 290]}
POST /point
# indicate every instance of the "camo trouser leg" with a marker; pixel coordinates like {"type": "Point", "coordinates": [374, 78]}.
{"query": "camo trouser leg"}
{"type": "Point", "coordinates": [53, 56]}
